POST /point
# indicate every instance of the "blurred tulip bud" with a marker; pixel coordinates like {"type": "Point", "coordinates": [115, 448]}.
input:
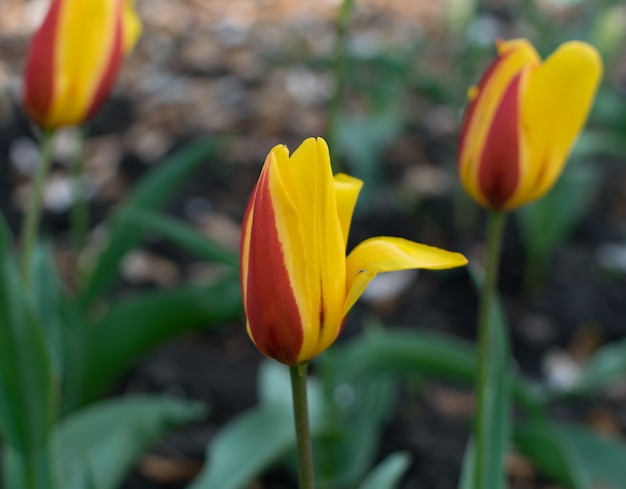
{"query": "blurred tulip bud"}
{"type": "Point", "coordinates": [74, 58]}
{"type": "Point", "coordinates": [523, 119]}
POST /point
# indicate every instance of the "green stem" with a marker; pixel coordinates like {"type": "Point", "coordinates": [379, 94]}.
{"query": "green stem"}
{"type": "Point", "coordinates": [79, 214]}
{"type": "Point", "coordinates": [485, 347]}
{"type": "Point", "coordinates": [32, 470]}
{"type": "Point", "coordinates": [339, 68]}
{"type": "Point", "coordinates": [301, 416]}
{"type": "Point", "coordinates": [30, 228]}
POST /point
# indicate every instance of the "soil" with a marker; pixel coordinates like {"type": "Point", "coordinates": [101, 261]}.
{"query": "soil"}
{"type": "Point", "coordinates": [252, 74]}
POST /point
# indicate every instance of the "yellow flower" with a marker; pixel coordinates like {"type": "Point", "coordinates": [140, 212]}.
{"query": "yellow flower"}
{"type": "Point", "coordinates": [296, 281]}
{"type": "Point", "coordinates": [523, 119]}
{"type": "Point", "coordinates": [74, 58]}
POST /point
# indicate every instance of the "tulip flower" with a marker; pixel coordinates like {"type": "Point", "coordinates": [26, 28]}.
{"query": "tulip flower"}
{"type": "Point", "coordinates": [523, 119]}
{"type": "Point", "coordinates": [297, 283]}
{"type": "Point", "coordinates": [74, 58]}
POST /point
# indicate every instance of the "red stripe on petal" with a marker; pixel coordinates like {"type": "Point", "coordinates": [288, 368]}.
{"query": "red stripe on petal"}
{"type": "Point", "coordinates": [273, 315]}
{"type": "Point", "coordinates": [471, 106]}
{"type": "Point", "coordinates": [499, 170]}
{"type": "Point", "coordinates": [39, 74]}
{"type": "Point", "coordinates": [112, 67]}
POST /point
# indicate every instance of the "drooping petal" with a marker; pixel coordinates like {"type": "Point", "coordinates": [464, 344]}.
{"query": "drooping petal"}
{"type": "Point", "coordinates": [274, 306]}
{"type": "Point", "coordinates": [387, 254]}
{"type": "Point", "coordinates": [308, 178]}
{"type": "Point", "coordinates": [556, 105]}
{"type": "Point", "coordinates": [347, 190]}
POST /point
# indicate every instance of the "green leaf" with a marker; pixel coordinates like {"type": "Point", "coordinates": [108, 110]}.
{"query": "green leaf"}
{"type": "Point", "coordinates": [257, 438]}
{"type": "Point", "coordinates": [245, 447]}
{"type": "Point", "coordinates": [358, 408]}
{"type": "Point", "coordinates": [153, 192]}
{"type": "Point", "coordinates": [63, 326]}
{"type": "Point", "coordinates": [422, 352]}
{"type": "Point", "coordinates": [26, 378]}
{"type": "Point", "coordinates": [401, 350]}
{"type": "Point", "coordinates": [387, 473]}
{"type": "Point", "coordinates": [16, 467]}
{"type": "Point", "coordinates": [497, 391]}
{"type": "Point", "coordinates": [542, 446]}
{"type": "Point", "coordinates": [133, 326]}
{"type": "Point", "coordinates": [181, 234]}
{"type": "Point", "coordinates": [573, 455]}
{"type": "Point", "coordinates": [468, 467]}
{"type": "Point", "coordinates": [348, 452]}
{"type": "Point", "coordinates": [102, 442]}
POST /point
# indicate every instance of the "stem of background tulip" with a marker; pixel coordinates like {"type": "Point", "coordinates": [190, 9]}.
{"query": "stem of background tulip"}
{"type": "Point", "coordinates": [303, 434]}
{"type": "Point", "coordinates": [30, 227]}
{"type": "Point", "coordinates": [28, 471]}
{"type": "Point", "coordinates": [339, 68]}
{"type": "Point", "coordinates": [79, 216]}
{"type": "Point", "coordinates": [485, 346]}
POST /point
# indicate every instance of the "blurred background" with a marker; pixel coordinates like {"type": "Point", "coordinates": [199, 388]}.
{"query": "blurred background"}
{"type": "Point", "coordinates": [385, 82]}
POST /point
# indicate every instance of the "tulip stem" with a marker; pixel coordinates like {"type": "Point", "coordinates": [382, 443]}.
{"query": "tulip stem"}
{"type": "Point", "coordinates": [486, 354]}
{"type": "Point", "coordinates": [301, 417]}
{"type": "Point", "coordinates": [30, 228]}
{"type": "Point", "coordinates": [339, 68]}
{"type": "Point", "coordinates": [79, 215]}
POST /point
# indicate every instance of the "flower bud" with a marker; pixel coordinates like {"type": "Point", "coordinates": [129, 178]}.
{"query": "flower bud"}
{"type": "Point", "coordinates": [74, 58]}
{"type": "Point", "coordinates": [296, 281]}
{"type": "Point", "coordinates": [523, 119]}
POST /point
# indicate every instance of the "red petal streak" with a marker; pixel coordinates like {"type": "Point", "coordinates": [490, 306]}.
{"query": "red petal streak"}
{"type": "Point", "coordinates": [39, 73]}
{"type": "Point", "coordinates": [108, 76]}
{"type": "Point", "coordinates": [498, 174]}
{"type": "Point", "coordinates": [273, 315]}
{"type": "Point", "coordinates": [471, 106]}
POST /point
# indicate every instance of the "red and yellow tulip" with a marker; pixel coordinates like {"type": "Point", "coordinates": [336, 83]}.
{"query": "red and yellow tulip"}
{"type": "Point", "coordinates": [297, 283]}
{"type": "Point", "coordinates": [74, 58]}
{"type": "Point", "coordinates": [523, 119]}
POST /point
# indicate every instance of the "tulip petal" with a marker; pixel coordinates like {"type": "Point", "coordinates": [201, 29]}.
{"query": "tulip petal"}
{"type": "Point", "coordinates": [40, 67]}
{"type": "Point", "coordinates": [347, 190]}
{"type": "Point", "coordinates": [308, 179]}
{"type": "Point", "coordinates": [131, 26]}
{"type": "Point", "coordinates": [274, 303]}
{"type": "Point", "coordinates": [386, 254]}
{"type": "Point", "coordinates": [558, 100]}
{"type": "Point", "coordinates": [88, 54]}
{"type": "Point", "coordinates": [504, 150]}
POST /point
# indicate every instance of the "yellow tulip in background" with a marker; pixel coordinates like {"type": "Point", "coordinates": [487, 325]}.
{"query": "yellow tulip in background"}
{"type": "Point", "coordinates": [297, 283]}
{"type": "Point", "coordinates": [74, 58]}
{"type": "Point", "coordinates": [523, 119]}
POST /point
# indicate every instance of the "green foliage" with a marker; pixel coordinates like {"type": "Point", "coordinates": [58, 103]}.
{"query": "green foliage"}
{"type": "Point", "coordinates": [180, 234]}
{"type": "Point", "coordinates": [387, 473]}
{"type": "Point", "coordinates": [154, 191]}
{"type": "Point", "coordinates": [155, 317]}
{"type": "Point", "coordinates": [101, 442]}
{"type": "Point", "coordinates": [27, 399]}
{"type": "Point", "coordinates": [573, 455]}
{"type": "Point", "coordinates": [260, 436]}
{"type": "Point", "coordinates": [57, 350]}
